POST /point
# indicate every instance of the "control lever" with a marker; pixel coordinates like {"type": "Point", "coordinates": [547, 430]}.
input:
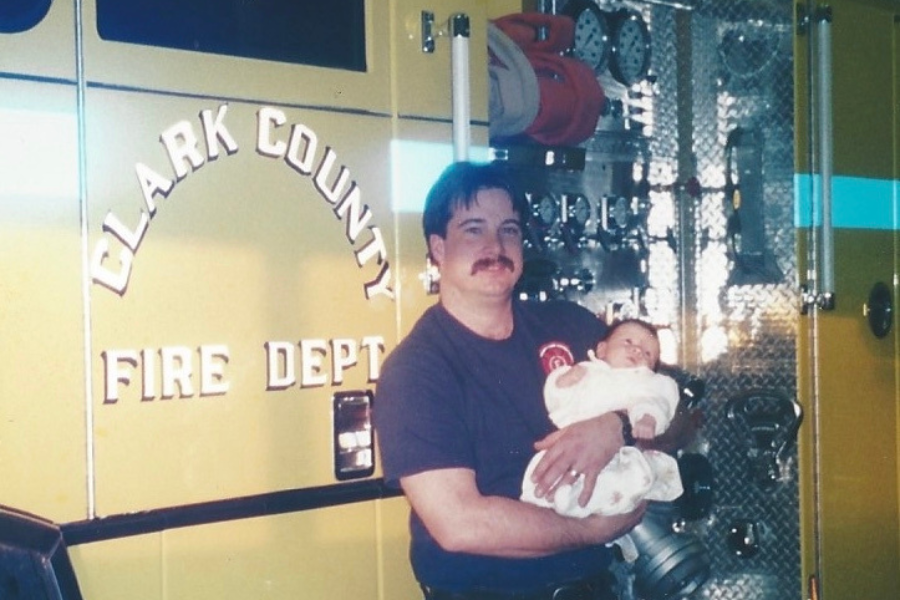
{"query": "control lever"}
{"type": "Point", "coordinates": [769, 421]}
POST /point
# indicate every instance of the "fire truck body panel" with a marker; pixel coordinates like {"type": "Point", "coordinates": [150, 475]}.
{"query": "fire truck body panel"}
{"type": "Point", "coordinates": [206, 255]}
{"type": "Point", "coordinates": [202, 260]}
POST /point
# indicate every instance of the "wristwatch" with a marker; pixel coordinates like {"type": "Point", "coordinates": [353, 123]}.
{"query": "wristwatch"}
{"type": "Point", "coordinates": [627, 434]}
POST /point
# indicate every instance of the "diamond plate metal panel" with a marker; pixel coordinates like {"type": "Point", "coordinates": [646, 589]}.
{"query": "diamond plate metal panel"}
{"type": "Point", "coordinates": [714, 139]}
{"type": "Point", "coordinates": [745, 334]}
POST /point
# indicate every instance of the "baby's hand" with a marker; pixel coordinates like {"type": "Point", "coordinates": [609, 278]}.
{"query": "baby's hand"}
{"type": "Point", "coordinates": [644, 428]}
{"type": "Point", "coordinates": [573, 375]}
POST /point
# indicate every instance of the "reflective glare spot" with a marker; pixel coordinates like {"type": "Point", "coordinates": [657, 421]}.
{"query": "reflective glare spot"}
{"type": "Point", "coordinates": [417, 165]}
{"type": "Point", "coordinates": [668, 346]}
{"type": "Point", "coordinates": [713, 344]}
{"type": "Point", "coordinates": [39, 154]}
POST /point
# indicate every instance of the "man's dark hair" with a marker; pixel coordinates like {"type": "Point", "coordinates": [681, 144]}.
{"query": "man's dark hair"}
{"type": "Point", "coordinates": [457, 187]}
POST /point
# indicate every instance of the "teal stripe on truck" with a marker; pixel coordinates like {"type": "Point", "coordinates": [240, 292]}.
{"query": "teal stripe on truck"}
{"type": "Point", "coordinates": [857, 202]}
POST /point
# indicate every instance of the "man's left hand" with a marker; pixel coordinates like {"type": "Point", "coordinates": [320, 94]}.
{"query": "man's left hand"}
{"type": "Point", "coordinates": [581, 449]}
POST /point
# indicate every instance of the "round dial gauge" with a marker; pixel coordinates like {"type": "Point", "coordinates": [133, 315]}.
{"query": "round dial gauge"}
{"type": "Point", "coordinates": [545, 210]}
{"type": "Point", "coordinates": [580, 210]}
{"type": "Point", "coordinates": [592, 33]}
{"type": "Point", "coordinates": [578, 213]}
{"type": "Point", "coordinates": [630, 49]}
{"type": "Point", "coordinates": [620, 212]}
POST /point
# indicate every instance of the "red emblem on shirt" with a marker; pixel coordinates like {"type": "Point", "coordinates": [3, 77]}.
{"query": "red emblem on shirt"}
{"type": "Point", "coordinates": [555, 355]}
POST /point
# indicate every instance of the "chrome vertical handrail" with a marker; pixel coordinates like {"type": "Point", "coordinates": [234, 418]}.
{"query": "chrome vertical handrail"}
{"type": "Point", "coordinates": [825, 297]}
{"type": "Point", "coordinates": [459, 47]}
{"type": "Point", "coordinates": [819, 291]}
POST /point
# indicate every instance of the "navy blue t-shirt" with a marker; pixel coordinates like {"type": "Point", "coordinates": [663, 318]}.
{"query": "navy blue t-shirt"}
{"type": "Point", "coordinates": [448, 398]}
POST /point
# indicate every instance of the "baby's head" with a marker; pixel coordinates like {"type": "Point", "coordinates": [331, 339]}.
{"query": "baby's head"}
{"type": "Point", "coordinates": [630, 343]}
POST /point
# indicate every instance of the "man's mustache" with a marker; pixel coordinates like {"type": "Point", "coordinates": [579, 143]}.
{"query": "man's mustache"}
{"type": "Point", "coordinates": [488, 263]}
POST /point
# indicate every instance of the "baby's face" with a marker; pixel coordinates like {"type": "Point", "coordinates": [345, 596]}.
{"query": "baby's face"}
{"type": "Point", "coordinates": [630, 345]}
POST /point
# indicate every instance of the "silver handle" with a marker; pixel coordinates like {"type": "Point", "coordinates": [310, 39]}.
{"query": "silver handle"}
{"type": "Point", "coordinates": [825, 297]}
{"type": "Point", "coordinates": [458, 27]}
{"type": "Point", "coordinates": [459, 58]}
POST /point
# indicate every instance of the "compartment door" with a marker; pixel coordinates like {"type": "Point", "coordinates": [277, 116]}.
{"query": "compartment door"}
{"type": "Point", "coordinates": [848, 352]}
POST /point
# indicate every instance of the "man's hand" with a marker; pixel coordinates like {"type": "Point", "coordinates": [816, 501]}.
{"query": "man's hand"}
{"type": "Point", "coordinates": [581, 449]}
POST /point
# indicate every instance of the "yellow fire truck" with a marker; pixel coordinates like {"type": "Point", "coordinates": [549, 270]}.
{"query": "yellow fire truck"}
{"type": "Point", "coordinates": [210, 239]}
{"type": "Point", "coordinates": [206, 256]}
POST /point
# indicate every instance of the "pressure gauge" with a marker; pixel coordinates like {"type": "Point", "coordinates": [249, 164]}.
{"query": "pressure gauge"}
{"type": "Point", "coordinates": [578, 212]}
{"type": "Point", "coordinates": [592, 32]}
{"type": "Point", "coordinates": [545, 209]}
{"type": "Point", "coordinates": [617, 212]}
{"type": "Point", "coordinates": [630, 48]}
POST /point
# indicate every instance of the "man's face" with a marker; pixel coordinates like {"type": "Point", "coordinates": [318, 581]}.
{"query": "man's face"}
{"type": "Point", "coordinates": [630, 345]}
{"type": "Point", "coordinates": [482, 253]}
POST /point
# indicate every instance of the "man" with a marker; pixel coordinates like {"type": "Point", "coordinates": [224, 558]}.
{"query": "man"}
{"type": "Point", "coordinates": [459, 413]}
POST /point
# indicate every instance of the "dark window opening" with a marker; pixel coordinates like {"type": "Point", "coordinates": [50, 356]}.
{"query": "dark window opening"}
{"type": "Point", "coordinates": [17, 16]}
{"type": "Point", "coordinates": [310, 32]}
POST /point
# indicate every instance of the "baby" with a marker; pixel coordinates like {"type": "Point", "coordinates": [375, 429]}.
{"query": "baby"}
{"type": "Point", "coordinates": [619, 376]}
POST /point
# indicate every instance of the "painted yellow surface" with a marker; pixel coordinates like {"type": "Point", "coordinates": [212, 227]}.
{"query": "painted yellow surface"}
{"type": "Point", "coordinates": [848, 377]}
{"type": "Point", "coordinates": [127, 567]}
{"type": "Point", "coordinates": [419, 93]}
{"type": "Point", "coordinates": [42, 406]}
{"type": "Point", "coordinates": [198, 251]}
{"type": "Point", "coordinates": [324, 553]}
{"type": "Point", "coordinates": [393, 518]}
{"type": "Point", "coordinates": [852, 441]}
{"type": "Point", "coordinates": [243, 253]}
{"type": "Point", "coordinates": [46, 50]}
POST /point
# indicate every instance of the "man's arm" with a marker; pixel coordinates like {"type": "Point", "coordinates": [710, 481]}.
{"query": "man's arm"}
{"type": "Point", "coordinates": [462, 520]}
